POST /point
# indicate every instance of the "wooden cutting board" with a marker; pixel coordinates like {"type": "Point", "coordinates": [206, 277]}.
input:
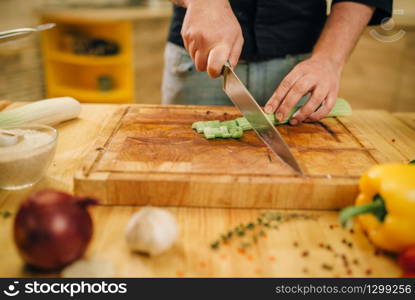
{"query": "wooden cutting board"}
{"type": "Point", "coordinates": [149, 155]}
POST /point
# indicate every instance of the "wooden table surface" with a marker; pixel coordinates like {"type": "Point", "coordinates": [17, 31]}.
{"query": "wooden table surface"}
{"type": "Point", "coordinates": [301, 247]}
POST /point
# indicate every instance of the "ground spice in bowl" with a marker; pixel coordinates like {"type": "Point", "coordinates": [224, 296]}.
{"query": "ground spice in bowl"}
{"type": "Point", "coordinates": [24, 162]}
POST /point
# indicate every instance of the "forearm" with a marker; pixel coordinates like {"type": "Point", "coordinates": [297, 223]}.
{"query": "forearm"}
{"type": "Point", "coordinates": [342, 31]}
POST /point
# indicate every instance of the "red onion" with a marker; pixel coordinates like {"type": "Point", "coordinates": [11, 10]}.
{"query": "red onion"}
{"type": "Point", "coordinates": [52, 229]}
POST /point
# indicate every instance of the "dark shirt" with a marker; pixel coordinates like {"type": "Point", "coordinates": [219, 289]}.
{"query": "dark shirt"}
{"type": "Point", "coordinates": [276, 28]}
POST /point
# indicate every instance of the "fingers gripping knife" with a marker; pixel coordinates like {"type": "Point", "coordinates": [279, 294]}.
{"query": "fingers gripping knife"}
{"type": "Point", "coordinates": [250, 109]}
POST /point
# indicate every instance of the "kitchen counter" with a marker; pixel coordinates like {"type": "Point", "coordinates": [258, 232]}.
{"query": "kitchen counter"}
{"type": "Point", "coordinates": [302, 247]}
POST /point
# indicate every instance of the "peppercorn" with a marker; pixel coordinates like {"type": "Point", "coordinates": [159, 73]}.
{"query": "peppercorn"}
{"type": "Point", "coordinates": [327, 267]}
{"type": "Point", "coordinates": [215, 245]}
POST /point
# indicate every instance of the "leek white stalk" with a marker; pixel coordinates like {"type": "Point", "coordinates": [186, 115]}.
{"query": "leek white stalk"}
{"type": "Point", "coordinates": [44, 112]}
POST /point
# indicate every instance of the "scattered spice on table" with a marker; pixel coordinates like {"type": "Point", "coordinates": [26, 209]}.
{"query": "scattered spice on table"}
{"type": "Point", "coordinates": [245, 245]}
{"type": "Point", "coordinates": [215, 245]}
{"type": "Point", "coordinates": [350, 265]}
{"type": "Point", "coordinates": [5, 214]}
{"type": "Point", "coordinates": [347, 243]}
{"type": "Point", "coordinates": [345, 260]}
{"type": "Point", "coordinates": [249, 233]}
{"type": "Point", "coordinates": [258, 271]}
{"type": "Point", "coordinates": [327, 267]}
{"type": "Point", "coordinates": [250, 226]}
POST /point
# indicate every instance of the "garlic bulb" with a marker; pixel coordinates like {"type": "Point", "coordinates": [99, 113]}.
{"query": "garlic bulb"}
{"type": "Point", "coordinates": [151, 230]}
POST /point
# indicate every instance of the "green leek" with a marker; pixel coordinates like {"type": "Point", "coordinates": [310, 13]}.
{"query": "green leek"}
{"type": "Point", "coordinates": [235, 128]}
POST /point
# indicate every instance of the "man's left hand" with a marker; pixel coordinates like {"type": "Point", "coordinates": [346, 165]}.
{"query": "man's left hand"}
{"type": "Point", "coordinates": [318, 76]}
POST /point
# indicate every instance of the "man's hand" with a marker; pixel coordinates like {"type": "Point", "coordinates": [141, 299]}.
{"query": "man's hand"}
{"type": "Point", "coordinates": [211, 35]}
{"type": "Point", "coordinates": [318, 76]}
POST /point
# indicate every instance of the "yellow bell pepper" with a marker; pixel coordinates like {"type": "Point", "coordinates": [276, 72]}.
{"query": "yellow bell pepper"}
{"type": "Point", "coordinates": [386, 206]}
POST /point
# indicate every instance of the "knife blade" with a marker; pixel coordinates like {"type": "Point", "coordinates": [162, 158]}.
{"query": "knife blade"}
{"type": "Point", "coordinates": [250, 109]}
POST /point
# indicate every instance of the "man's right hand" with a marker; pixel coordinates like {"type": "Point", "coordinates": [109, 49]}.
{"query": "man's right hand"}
{"type": "Point", "coordinates": [211, 35]}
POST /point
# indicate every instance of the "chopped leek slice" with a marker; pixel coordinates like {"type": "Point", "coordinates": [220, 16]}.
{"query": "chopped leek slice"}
{"type": "Point", "coordinates": [199, 126]}
{"type": "Point", "coordinates": [243, 123]}
{"type": "Point", "coordinates": [235, 128]}
{"type": "Point", "coordinates": [229, 124]}
{"type": "Point", "coordinates": [236, 132]}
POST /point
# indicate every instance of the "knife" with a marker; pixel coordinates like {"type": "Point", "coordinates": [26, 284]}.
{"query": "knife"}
{"type": "Point", "coordinates": [250, 109]}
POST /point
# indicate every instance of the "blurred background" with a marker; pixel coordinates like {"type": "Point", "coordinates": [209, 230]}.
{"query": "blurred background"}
{"type": "Point", "coordinates": [111, 51]}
